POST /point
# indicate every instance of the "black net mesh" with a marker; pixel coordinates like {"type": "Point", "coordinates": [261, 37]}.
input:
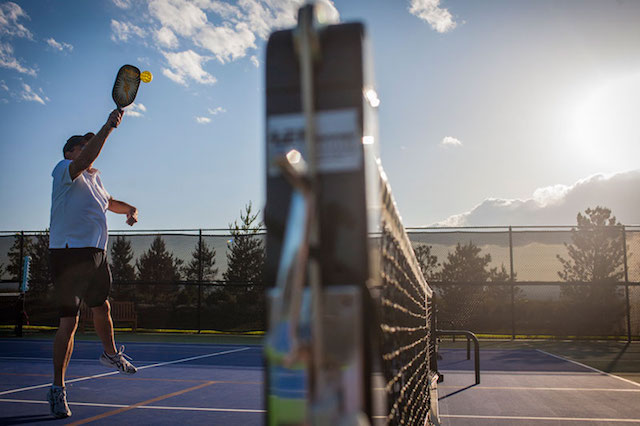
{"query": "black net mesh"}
{"type": "Point", "coordinates": [405, 316]}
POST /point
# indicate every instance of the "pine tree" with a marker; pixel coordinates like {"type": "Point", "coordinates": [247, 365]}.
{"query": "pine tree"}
{"type": "Point", "coordinates": [461, 302]}
{"type": "Point", "coordinates": [201, 266]}
{"type": "Point", "coordinates": [596, 256]}
{"type": "Point", "coordinates": [596, 253]}
{"type": "Point", "coordinates": [157, 265]}
{"type": "Point", "coordinates": [120, 260]}
{"type": "Point", "coordinates": [428, 262]}
{"type": "Point", "coordinates": [121, 268]}
{"type": "Point", "coordinates": [204, 257]}
{"type": "Point", "coordinates": [245, 260]}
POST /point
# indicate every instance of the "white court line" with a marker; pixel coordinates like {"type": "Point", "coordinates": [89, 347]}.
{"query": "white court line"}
{"type": "Point", "coordinates": [26, 358]}
{"type": "Point", "coordinates": [589, 367]}
{"type": "Point", "coordinates": [150, 407]}
{"type": "Point", "coordinates": [481, 387]}
{"type": "Point", "coordinates": [559, 419]}
{"type": "Point", "coordinates": [111, 373]}
{"type": "Point", "coordinates": [543, 388]}
{"type": "Point", "coordinates": [521, 373]}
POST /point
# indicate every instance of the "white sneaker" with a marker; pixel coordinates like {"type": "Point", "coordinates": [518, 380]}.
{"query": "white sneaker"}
{"type": "Point", "coordinates": [58, 403]}
{"type": "Point", "coordinates": [118, 361]}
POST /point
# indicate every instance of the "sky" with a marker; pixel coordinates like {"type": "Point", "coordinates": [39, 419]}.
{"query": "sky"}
{"type": "Point", "coordinates": [492, 112]}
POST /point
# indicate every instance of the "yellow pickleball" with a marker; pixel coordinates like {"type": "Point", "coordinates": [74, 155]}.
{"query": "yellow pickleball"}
{"type": "Point", "coordinates": [146, 76]}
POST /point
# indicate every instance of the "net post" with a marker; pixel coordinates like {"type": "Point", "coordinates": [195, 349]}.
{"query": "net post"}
{"type": "Point", "coordinates": [316, 104]}
{"type": "Point", "coordinates": [20, 302]}
{"type": "Point", "coordinates": [200, 277]}
{"type": "Point", "coordinates": [511, 279]}
{"type": "Point", "coordinates": [626, 282]}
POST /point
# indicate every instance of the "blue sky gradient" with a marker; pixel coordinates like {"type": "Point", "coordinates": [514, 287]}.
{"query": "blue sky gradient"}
{"type": "Point", "coordinates": [495, 104]}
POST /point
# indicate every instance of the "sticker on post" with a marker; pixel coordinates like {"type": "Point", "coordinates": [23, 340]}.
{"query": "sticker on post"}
{"type": "Point", "coordinates": [338, 139]}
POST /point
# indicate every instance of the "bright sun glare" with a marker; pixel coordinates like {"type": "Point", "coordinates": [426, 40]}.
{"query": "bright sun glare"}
{"type": "Point", "coordinates": [605, 130]}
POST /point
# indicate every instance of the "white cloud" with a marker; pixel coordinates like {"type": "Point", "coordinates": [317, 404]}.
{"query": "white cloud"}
{"type": "Point", "coordinates": [187, 64]}
{"type": "Point", "coordinates": [180, 16]}
{"type": "Point", "coordinates": [122, 4]}
{"type": "Point", "coordinates": [60, 46]}
{"type": "Point", "coordinates": [10, 13]}
{"type": "Point", "coordinates": [225, 42]}
{"type": "Point", "coordinates": [264, 16]}
{"type": "Point", "coordinates": [166, 38]}
{"type": "Point", "coordinates": [203, 120]}
{"type": "Point", "coordinates": [7, 60]}
{"type": "Point", "coordinates": [559, 204]}
{"type": "Point", "coordinates": [122, 31]}
{"type": "Point", "coordinates": [439, 18]}
{"type": "Point", "coordinates": [450, 141]}
{"type": "Point", "coordinates": [216, 110]}
{"type": "Point", "coordinates": [225, 30]}
{"type": "Point", "coordinates": [135, 110]}
{"type": "Point", "coordinates": [29, 95]}
{"type": "Point", "coordinates": [3, 85]}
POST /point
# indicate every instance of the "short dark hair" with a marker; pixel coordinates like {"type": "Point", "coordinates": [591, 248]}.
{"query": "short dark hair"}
{"type": "Point", "coordinates": [74, 141]}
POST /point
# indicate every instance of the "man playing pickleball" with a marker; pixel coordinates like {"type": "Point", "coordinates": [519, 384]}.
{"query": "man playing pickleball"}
{"type": "Point", "coordinates": [77, 248]}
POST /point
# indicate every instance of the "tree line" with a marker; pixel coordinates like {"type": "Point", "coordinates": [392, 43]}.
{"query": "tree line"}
{"type": "Point", "coordinates": [589, 302]}
{"type": "Point", "coordinates": [595, 255]}
{"type": "Point", "coordinates": [245, 258]}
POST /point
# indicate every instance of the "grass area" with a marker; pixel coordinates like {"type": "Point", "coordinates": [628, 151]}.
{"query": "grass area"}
{"type": "Point", "coordinates": [148, 336]}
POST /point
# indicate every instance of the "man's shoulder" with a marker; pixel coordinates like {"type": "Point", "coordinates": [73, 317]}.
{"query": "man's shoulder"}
{"type": "Point", "coordinates": [64, 163]}
{"type": "Point", "coordinates": [61, 170]}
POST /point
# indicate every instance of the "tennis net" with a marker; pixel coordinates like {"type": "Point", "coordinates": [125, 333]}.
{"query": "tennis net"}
{"type": "Point", "coordinates": [405, 308]}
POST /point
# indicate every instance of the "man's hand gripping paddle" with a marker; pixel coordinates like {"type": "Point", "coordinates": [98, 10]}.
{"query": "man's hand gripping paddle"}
{"type": "Point", "coordinates": [126, 85]}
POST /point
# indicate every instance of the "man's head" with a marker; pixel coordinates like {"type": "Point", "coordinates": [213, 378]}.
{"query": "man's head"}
{"type": "Point", "coordinates": [75, 145]}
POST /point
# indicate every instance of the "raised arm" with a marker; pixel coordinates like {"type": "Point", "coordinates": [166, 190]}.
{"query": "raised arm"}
{"type": "Point", "coordinates": [94, 146]}
{"type": "Point", "coordinates": [121, 207]}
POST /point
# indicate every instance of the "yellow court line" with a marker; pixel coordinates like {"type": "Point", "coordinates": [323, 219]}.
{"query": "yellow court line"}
{"type": "Point", "coordinates": [134, 406]}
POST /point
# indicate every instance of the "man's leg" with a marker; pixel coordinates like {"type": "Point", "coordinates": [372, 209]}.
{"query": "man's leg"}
{"type": "Point", "coordinates": [63, 348]}
{"type": "Point", "coordinates": [104, 327]}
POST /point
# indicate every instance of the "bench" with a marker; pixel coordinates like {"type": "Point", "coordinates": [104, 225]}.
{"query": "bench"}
{"type": "Point", "coordinates": [121, 312]}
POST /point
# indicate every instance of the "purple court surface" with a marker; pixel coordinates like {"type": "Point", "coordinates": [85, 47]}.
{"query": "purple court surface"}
{"type": "Point", "coordinates": [216, 384]}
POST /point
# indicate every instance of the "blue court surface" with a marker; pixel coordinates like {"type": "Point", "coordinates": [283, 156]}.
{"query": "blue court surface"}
{"type": "Point", "coordinates": [175, 383]}
{"type": "Point", "coordinates": [532, 387]}
{"type": "Point", "coordinates": [222, 384]}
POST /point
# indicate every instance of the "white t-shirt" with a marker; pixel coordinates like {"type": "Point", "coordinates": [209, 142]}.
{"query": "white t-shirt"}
{"type": "Point", "coordinates": [78, 209]}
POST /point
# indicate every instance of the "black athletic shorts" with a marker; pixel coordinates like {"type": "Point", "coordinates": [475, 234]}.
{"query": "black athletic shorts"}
{"type": "Point", "coordinates": [79, 274]}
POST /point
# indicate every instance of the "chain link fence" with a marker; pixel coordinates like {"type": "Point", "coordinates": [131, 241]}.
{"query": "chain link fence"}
{"type": "Point", "coordinates": [539, 282]}
{"type": "Point", "coordinates": [176, 280]}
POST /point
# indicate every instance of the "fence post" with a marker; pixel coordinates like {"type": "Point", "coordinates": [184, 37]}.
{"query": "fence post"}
{"type": "Point", "coordinates": [21, 255]}
{"type": "Point", "coordinates": [626, 283]}
{"type": "Point", "coordinates": [511, 276]}
{"type": "Point", "coordinates": [200, 274]}
{"type": "Point", "coordinates": [20, 303]}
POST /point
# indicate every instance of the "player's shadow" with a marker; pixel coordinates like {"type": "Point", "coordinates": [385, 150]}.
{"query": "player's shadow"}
{"type": "Point", "coordinates": [21, 420]}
